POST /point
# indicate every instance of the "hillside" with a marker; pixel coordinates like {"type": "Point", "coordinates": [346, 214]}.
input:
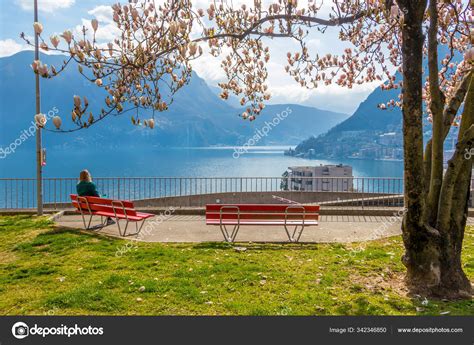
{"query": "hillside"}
{"type": "Point", "coordinates": [359, 135]}
{"type": "Point", "coordinates": [370, 133]}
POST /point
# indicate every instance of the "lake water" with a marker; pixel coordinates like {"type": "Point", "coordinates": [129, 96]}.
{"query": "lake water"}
{"type": "Point", "coordinates": [182, 162]}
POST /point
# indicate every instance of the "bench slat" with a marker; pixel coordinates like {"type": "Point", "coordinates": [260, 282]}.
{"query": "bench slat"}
{"type": "Point", "coordinates": [122, 216]}
{"type": "Point", "coordinates": [268, 216]}
{"type": "Point", "coordinates": [260, 222]}
{"type": "Point", "coordinates": [261, 207]}
{"type": "Point", "coordinates": [103, 207]}
{"type": "Point", "coordinates": [261, 214]}
{"type": "Point", "coordinates": [103, 201]}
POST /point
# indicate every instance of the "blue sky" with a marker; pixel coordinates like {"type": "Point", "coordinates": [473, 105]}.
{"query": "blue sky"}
{"type": "Point", "coordinates": [57, 15]}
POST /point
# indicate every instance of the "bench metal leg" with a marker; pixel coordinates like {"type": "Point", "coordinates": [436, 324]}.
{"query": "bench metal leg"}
{"type": "Point", "coordinates": [291, 236]}
{"type": "Point", "coordinates": [87, 227]}
{"type": "Point", "coordinates": [235, 230]}
{"type": "Point", "coordinates": [87, 224]}
{"type": "Point", "coordinates": [229, 237]}
{"type": "Point", "coordinates": [138, 229]}
{"type": "Point", "coordinates": [299, 234]}
{"type": "Point", "coordinates": [103, 222]}
{"type": "Point", "coordinates": [120, 229]}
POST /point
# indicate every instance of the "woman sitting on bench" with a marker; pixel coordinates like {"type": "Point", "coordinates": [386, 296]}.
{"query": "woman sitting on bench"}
{"type": "Point", "coordinates": [86, 187]}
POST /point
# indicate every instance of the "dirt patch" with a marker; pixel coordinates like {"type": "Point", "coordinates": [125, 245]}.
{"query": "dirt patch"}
{"type": "Point", "coordinates": [387, 281]}
{"type": "Point", "coordinates": [7, 257]}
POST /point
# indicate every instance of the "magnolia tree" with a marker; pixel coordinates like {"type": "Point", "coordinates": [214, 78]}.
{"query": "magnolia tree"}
{"type": "Point", "coordinates": [152, 54]}
{"type": "Point", "coordinates": [143, 67]}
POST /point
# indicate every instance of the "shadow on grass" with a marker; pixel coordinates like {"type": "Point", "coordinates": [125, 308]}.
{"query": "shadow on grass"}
{"type": "Point", "coordinates": [61, 240]}
{"type": "Point", "coordinates": [93, 233]}
{"type": "Point", "coordinates": [248, 246]}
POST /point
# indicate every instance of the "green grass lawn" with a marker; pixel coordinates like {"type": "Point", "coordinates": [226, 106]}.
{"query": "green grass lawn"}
{"type": "Point", "coordinates": [54, 271]}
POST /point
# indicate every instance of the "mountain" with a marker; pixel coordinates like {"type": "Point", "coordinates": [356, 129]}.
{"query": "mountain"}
{"type": "Point", "coordinates": [197, 117]}
{"type": "Point", "coordinates": [360, 135]}
{"type": "Point", "coordinates": [368, 117]}
{"type": "Point", "coordinates": [371, 132]}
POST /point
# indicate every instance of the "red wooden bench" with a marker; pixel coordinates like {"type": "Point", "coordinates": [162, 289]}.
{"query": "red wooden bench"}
{"type": "Point", "coordinates": [118, 209]}
{"type": "Point", "coordinates": [294, 218]}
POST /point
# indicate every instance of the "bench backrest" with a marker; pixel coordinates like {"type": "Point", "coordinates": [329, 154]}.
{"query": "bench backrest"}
{"type": "Point", "coordinates": [97, 204]}
{"type": "Point", "coordinates": [262, 211]}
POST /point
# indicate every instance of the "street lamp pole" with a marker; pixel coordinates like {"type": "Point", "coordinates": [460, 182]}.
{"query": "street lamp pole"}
{"type": "Point", "coordinates": [39, 153]}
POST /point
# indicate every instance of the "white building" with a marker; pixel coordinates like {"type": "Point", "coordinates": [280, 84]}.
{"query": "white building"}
{"type": "Point", "coordinates": [322, 178]}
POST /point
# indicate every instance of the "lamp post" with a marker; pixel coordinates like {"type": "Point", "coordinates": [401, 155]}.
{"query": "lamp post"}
{"type": "Point", "coordinates": [39, 153]}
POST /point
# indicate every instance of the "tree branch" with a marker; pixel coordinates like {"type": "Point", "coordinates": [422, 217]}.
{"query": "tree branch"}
{"type": "Point", "coordinates": [455, 164]}
{"type": "Point", "coordinates": [436, 109]}
{"type": "Point", "coordinates": [451, 109]}
{"type": "Point", "coordinates": [289, 18]}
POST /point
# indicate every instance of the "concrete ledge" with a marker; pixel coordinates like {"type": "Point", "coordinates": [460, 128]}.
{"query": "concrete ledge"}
{"type": "Point", "coordinates": [56, 216]}
{"type": "Point", "coordinates": [25, 211]}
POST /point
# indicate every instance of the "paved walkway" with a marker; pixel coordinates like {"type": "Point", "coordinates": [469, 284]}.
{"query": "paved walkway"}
{"type": "Point", "coordinates": [192, 228]}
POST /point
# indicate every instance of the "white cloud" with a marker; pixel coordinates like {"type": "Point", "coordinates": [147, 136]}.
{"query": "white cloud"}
{"type": "Point", "coordinates": [102, 13]}
{"type": "Point", "coordinates": [45, 5]}
{"type": "Point", "coordinates": [107, 30]}
{"type": "Point", "coordinates": [332, 97]}
{"type": "Point", "coordinates": [9, 47]}
{"type": "Point", "coordinates": [208, 68]}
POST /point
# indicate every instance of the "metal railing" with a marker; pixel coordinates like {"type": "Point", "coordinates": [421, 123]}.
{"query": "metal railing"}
{"type": "Point", "coordinates": [19, 193]}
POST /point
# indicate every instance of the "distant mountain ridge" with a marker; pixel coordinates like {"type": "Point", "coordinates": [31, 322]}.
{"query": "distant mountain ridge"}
{"type": "Point", "coordinates": [359, 132]}
{"type": "Point", "coordinates": [368, 116]}
{"type": "Point", "coordinates": [359, 136]}
{"type": "Point", "coordinates": [197, 117]}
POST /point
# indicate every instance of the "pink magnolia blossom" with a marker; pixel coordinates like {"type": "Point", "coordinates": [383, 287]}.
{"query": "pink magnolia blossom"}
{"type": "Point", "coordinates": [95, 24]}
{"type": "Point", "coordinates": [35, 65]}
{"type": "Point", "coordinates": [54, 41]}
{"type": "Point", "coordinates": [38, 28]}
{"type": "Point", "coordinates": [77, 101]}
{"type": "Point", "coordinates": [40, 120]}
{"type": "Point", "coordinates": [57, 122]}
{"type": "Point", "coordinates": [67, 35]}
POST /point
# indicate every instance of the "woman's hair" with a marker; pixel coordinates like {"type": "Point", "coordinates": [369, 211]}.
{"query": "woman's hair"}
{"type": "Point", "coordinates": [85, 176]}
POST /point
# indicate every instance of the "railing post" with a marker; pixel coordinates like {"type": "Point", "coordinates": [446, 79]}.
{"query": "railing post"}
{"type": "Point", "coordinates": [363, 192]}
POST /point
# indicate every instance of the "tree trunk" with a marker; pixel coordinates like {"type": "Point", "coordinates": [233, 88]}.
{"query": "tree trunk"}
{"type": "Point", "coordinates": [453, 206]}
{"type": "Point", "coordinates": [454, 283]}
{"type": "Point", "coordinates": [421, 246]}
